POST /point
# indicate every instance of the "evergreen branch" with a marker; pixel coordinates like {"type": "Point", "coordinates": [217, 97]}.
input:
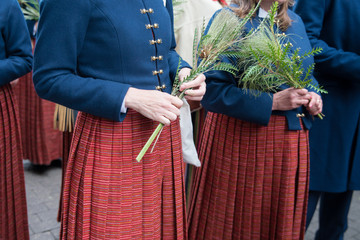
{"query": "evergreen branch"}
{"type": "Point", "coordinates": [30, 9]}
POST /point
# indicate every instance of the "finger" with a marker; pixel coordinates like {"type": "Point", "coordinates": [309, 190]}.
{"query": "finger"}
{"type": "Point", "coordinates": [301, 92]}
{"type": "Point", "coordinates": [177, 102]}
{"type": "Point", "coordinates": [196, 92]}
{"type": "Point", "coordinates": [301, 102]}
{"type": "Point", "coordinates": [194, 83]}
{"type": "Point", "coordinates": [163, 120]}
{"type": "Point", "coordinates": [184, 72]}
{"type": "Point", "coordinates": [170, 116]}
{"type": "Point", "coordinates": [190, 98]}
{"type": "Point", "coordinates": [175, 110]}
{"type": "Point", "coordinates": [312, 102]}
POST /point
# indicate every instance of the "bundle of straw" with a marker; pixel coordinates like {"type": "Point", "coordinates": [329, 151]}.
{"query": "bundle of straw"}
{"type": "Point", "coordinates": [64, 118]}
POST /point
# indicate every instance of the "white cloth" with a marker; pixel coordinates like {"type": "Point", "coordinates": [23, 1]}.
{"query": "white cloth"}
{"type": "Point", "coordinates": [187, 139]}
{"type": "Point", "coordinates": [190, 16]}
{"type": "Point", "coordinates": [263, 13]}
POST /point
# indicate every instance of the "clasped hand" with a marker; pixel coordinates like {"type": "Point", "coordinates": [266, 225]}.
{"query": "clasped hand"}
{"type": "Point", "coordinates": [163, 107]}
{"type": "Point", "coordinates": [292, 98]}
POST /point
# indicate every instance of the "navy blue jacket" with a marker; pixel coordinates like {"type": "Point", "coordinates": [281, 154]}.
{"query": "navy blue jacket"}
{"type": "Point", "coordinates": [224, 96]}
{"type": "Point", "coordinates": [89, 52]}
{"type": "Point", "coordinates": [335, 141]}
{"type": "Point", "coordinates": [15, 46]}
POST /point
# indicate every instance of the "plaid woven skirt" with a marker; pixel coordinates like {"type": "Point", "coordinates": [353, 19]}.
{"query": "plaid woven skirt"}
{"type": "Point", "coordinates": [109, 195]}
{"type": "Point", "coordinates": [253, 183]}
{"type": "Point", "coordinates": [41, 143]}
{"type": "Point", "coordinates": [13, 212]}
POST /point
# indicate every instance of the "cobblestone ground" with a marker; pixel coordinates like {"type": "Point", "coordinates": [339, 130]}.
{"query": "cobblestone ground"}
{"type": "Point", "coordinates": [43, 189]}
{"type": "Point", "coordinates": [42, 193]}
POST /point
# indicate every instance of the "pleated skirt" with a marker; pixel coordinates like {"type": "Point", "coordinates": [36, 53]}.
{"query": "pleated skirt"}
{"type": "Point", "coordinates": [67, 138]}
{"type": "Point", "coordinates": [253, 183]}
{"type": "Point", "coordinates": [13, 211]}
{"type": "Point", "coordinates": [40, 141]}
{"type": "Point", "coordinates": [109, 195]}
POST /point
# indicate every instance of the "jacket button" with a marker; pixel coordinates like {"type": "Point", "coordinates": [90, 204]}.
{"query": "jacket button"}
{"type": "Point", "coordinates": [299, 115]}
{"type": "Point", "coordinates": [158, 72]}
{"type": "Point", "coordinates": [143, 11]}
{"type": "Point", "coordinates": [152, 42]}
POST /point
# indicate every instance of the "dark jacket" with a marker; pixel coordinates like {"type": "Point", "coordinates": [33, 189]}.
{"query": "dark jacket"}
{"type": "Point", "coordinates": [335, 141]}
{"type": "Point", "coordinates": [89, 52]}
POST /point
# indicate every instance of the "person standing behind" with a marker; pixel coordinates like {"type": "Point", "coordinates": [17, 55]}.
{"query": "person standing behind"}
{"type": "Point", "coordinates": [334, 141]}
{"type": "Point", "coordinates": [253, 183]}
{"type": "Point", "coordinates": [15, 61]}
{"type": "Point", "coordinates": [41, 143]}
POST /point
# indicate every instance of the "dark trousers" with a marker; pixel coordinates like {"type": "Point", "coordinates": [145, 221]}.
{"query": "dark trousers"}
{"type": "Point", "coordinates": [333, 213]}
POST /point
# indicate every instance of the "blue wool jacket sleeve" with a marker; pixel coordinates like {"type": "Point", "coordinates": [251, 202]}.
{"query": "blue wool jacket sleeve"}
{"type": "Point", "coordinates": [223, 96]}
{"type": "Point", "coordinates": [18, 59]}
{"type": "Point", "coordinates": [173, 55]}
{"type": "Point", "coordinates": [331, 61]}
{"type": "Point", "coordinates": [61, 32]}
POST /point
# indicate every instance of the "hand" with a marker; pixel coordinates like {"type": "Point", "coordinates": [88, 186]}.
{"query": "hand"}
{"type": "Point", "coordinates": [14, 82]}
{"type": "Point", "coordinates": [315, 105]}
{"type": "Point", "coordinates": [198, 85]}
{"type": "Point", "coordinates": [290, 98]}
{"type": "Point", "coordinates": [156, 105]}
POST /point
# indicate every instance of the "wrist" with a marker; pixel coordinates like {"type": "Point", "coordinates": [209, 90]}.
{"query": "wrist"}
{"type": "Point", "coordinates": [274, 103]}
{"type": "Point", "coordinates": [130, 98]}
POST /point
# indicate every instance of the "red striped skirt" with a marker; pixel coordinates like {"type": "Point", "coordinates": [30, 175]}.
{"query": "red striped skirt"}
{"type": "Point", "coordinates": [67, 137]}
{"type": "Point", "coordinates": [253, 183]}
{"type": "Point", "coordinates": [109, 195]}
{"type": "Point", "coordinates": [13, 212]}
{"type": "Point", "coordinates": [40, 141]}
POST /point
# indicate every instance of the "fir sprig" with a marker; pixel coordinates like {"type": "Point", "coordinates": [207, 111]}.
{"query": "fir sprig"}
{"type": "Point", "coordinates": [269, 60]}
{"type": "Point", "coordinates": [220, 41]}
{"type": "Point", "coordinates": [30, 9]}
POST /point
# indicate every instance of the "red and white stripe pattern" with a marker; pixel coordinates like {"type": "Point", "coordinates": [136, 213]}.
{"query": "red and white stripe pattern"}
{"type": "Point", "coordinates": [13, 211]}
{"type": "Point", "coordinates": [253, 183]}
{"type": "Point", "coordinates": [109, 195]}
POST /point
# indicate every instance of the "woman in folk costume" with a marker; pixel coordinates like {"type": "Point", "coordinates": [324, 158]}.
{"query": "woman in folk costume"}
{"type": "Point", "coordinates": [119, 80]}
{"type": "Point", "coordinates": [15, 61]}
{"type": "Point", "coordinates": [41, 143]}
{"type": "Point", "coordinates": [253, 183]}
